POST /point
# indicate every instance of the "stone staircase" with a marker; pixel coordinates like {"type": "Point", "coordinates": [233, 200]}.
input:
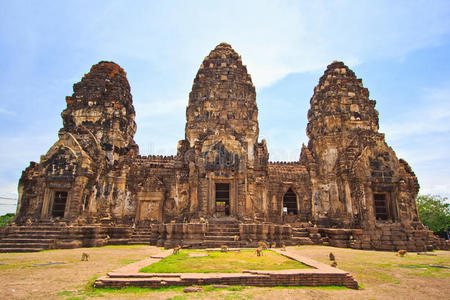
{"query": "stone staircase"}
{"type": "Point", "coordinates": [222, 233]}
{"type": "Point", "coordinates": [143, 236]}
{"type": "Point", "coordinates": [32, 238]}
{"type": "Point", "coordinates": [300, 236]}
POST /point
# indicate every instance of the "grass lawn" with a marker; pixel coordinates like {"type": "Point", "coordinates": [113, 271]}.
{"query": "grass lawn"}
{"type": "Point", "coordinates": [222, 262]}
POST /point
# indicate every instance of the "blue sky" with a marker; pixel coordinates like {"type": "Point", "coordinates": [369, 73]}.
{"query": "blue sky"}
{"type": "Point", "coordinates": [401, 50]}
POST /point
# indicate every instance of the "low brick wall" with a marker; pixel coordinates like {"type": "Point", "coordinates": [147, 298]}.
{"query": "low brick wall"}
{"type": "Point", "coordinates": [319, 275]}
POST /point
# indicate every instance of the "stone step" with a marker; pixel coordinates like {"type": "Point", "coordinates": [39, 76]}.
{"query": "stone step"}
{"type": "Point", "coordinates": [220, 238]}
{"type": "Point", "coordinates": [142, 235]}
{"type": "Point", "coordinates": [32, 236]}
{"type": "Point", "coordinates": [24, 245]}
{"type": "Point", "coordinates": [302, 241]}
{"type": "Point", "coordinates": [51, 227]}
{"type": "Point", "coordinates": [142, 238]}
{"type": "Point", "coordinates": [9, 250]}
{"type": "Point", "coordinates": [40, 233]}
{"type": "Point", "coordinates": [221, 233]}
{"type": "Point", "coordinates": [139, 243]}
{"type": "Point", "coordinates": [218, 244]}
{"type": "Point", "coordinates": [300, 234]}
{"type": "Point", "coordinates": [223, 225]}
{"type": "Point", "coordinates": [34, 229]}
{"type": "Point", "coordinates": [220, 241]}
{"type": "Point", "coordinates": [25, 240]}
{"type": "Point", "coordinates": [224, 229]}
{"type": "Point", "coordinates": [121, 241]}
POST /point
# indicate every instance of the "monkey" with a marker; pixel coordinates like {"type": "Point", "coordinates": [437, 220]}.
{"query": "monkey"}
{"type": "Point", "coordinates": [176, 250]}
{"type": "Point", "coordinates": [262, 245]}
{"type": "Point", "coordinates": [84, 256]}
{"type": "Point", "coordinates": [259, 251]}
{"type": "Point", "coordinates": [224, 248]}
{"type": "Point", "coordinates": [401, 252]}
{"type": "Point", "coordinates": [332, 258]}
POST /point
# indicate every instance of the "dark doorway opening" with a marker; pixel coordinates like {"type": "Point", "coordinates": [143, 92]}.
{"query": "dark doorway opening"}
{"type": "Point", "coordinates": [223, 199]}
{"type": "Point", "coordinates": [59, 204]}
{"type": "Point", "coordinates": [381, 206]}
{"type": "Point", "coordinates": [290, 203]}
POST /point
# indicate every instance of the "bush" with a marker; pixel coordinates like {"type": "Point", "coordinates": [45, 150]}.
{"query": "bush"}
{"type": "Point", "coordinates": [6, 219]}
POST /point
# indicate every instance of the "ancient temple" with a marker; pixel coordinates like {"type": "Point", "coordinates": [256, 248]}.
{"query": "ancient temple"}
{"type": "Point", "coordinates": [348, 187]}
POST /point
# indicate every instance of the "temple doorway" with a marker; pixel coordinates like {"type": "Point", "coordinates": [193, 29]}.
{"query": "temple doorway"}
{"type": "Point", "coordinates": [290, 203]}
{"type": "Point", "coordinates": [223, 199]}
{"type": "Point", "coordinates": [381, 206]}
{"type": "Point", "coordinates": [59, 204]}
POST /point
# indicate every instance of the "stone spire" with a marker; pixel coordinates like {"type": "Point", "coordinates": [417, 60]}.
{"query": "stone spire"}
{"type": "Point", "coordinates": [223, 99]}
{"type": "Point", "coordinates": [102, 105]}
{"type": "Point", "coordinates": [340, 103]}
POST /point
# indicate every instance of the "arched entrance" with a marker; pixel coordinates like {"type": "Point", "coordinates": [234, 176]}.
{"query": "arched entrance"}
{"type": "Point", "coordinates": [290, 203]}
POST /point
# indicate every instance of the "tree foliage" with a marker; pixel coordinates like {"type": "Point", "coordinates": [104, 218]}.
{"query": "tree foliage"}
{"type": "Point", "coordinates": [434, 212]}
{"type": "Point", "coordinates": [6, 219]}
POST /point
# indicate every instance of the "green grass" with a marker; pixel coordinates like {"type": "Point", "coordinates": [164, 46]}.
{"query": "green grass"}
{"type": "Point", "coordinates": [128, 261]}
{"type": "Point", "coordinates": [222, 262]}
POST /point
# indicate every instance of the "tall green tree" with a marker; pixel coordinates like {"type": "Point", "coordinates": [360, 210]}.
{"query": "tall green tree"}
{"type": "Point", "coordinates": [434, 212]}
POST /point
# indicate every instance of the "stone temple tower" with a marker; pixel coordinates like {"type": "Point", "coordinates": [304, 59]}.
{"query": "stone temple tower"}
{"type": "Point", "coordinates": [82, 174]}
{"type": "Point", "coordinates": [221, 145]}
{"type": "Point", "coordinates": [355, 176]}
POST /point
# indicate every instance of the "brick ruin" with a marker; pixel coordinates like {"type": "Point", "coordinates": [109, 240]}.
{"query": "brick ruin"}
{"type": "Point", "coordinates": [347, 189]}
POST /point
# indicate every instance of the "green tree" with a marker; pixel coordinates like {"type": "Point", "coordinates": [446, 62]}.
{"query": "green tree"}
{"type": "Point", "coordinates": [434, 212]}
{"type": "Point", "coordinates": [6, 219]}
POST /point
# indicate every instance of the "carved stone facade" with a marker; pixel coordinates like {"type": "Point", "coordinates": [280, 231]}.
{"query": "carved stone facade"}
{"type": "Point", "coordinates": [347, 177]}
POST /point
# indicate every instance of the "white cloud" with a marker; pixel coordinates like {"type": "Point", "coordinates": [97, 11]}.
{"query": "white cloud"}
{"type": "Point", "coordinates": [275, 38]}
